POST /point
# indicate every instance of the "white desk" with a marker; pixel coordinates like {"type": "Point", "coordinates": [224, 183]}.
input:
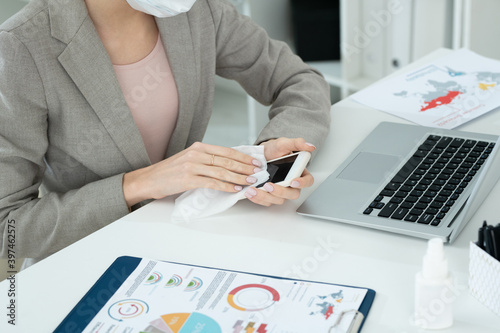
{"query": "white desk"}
{"type": "Point", "coordinates": [273, 241]}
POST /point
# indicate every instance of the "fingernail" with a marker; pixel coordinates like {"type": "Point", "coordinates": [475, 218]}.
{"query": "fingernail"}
{"type": "Point", "coordinates": [268, 187]}
{"type": "Point", "coordinates": [310, 144]}
{"type": "Point", "coordinates": [251, 180]}
{"type": "Point", "coordinates": [295, 184]}
{"type": "Point", "coordinates": [257, 170]}
{"type": "Point", "coordinates": [256, 163]}
{"type": "Point", "coordinates": [238, 188]}
{"type": "Point", "coordinates": [250, 193]}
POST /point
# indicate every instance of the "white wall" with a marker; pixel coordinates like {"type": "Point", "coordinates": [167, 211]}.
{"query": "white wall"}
{"type": "Point", "coordinates": [10, 7]}
{"type": "Point", "coordinates": [275, 17]}
{"type": "Point", "coordinates": [484, 34]}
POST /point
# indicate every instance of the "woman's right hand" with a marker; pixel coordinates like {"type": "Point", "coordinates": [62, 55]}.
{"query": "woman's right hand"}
{"type": "Point", "coordinates": [199, 166]}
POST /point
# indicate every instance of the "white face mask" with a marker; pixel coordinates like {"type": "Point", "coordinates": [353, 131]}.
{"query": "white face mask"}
{"type": "Point", "coordinates": [162, 8]}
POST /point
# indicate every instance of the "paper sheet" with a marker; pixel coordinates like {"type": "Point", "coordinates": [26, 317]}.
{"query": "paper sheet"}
{"type": "Point", "coordinates": [446, 93]}
{"type": "Point", "coordinates": [167, 297]}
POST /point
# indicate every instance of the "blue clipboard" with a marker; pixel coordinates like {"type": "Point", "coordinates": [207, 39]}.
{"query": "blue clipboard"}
{"type": "Point", "coordinates": [109, 282]}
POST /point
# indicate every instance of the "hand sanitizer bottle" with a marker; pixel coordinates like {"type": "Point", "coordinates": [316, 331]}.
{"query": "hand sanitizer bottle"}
{"type": "Point", "coordinates": [433, 306]}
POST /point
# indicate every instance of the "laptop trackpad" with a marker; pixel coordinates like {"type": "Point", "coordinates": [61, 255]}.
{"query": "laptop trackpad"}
{"type": "Point", "coordinates": [370, 168]}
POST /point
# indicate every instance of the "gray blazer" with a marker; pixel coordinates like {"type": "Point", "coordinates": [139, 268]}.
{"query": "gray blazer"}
{"type": "Point", "coordinates": [66, 129]}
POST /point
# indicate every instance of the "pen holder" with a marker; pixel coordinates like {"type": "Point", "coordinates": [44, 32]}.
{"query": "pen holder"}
{"type": "Point", "coordinates": [484, 278]}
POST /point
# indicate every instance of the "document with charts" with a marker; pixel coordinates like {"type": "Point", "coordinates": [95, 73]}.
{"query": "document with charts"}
{"type": "Point", "coordinates": [169, 297]}
{"type": "Point", "coordinates": [446, 93]}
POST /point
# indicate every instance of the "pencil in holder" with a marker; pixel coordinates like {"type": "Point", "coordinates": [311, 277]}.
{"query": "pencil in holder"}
{"type": "Point", "coordinates": [484, 278]}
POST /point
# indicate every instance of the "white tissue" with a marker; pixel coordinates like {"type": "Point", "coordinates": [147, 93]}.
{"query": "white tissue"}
{"type": "Point", "coordinates": [202, 202]}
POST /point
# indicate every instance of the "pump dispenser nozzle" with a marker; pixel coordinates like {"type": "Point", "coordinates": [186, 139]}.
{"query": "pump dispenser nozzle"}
{"type": "Point", "coordinates": [431, 310]}
{"type": "Point", "coordinates": [435, 265]}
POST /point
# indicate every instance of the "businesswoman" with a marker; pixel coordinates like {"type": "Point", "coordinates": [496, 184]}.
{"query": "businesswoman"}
{"type": "Point", "coordinates": [103, 107]}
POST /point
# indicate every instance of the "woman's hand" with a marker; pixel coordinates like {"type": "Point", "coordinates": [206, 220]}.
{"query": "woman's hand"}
{"type": "Point", "coordinates": [199, 166]}
{"type": "Point", "coordinates": [275, 194]}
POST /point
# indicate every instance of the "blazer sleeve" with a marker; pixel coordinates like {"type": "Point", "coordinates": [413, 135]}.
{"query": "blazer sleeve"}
{"type": "Point", "coordinates": [42, 225]}
{"type": "Point", "coordinates": [269, 72]}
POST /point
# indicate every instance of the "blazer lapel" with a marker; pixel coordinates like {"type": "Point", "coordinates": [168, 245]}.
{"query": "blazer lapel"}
{"type": "Point", "coordinates": [176, 36]}
{"type": "Point", "coordinates": [87, 63]}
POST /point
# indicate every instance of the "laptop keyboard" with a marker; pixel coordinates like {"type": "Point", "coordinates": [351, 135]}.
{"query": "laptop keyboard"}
{"type": "Point", "coordinates": [428, 185]}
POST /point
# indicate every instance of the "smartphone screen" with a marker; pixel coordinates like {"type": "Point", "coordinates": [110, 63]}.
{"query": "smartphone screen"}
{"type": "Point", "coordinates": [278, 170]}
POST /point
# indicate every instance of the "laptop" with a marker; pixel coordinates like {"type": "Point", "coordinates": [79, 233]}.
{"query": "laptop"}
{"type": "Point", "coordinates": [408, 179]}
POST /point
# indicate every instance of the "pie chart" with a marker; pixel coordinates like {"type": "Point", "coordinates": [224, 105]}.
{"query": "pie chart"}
{"type": "Point", "coordinates": [183, 323]}
{"type": "Point", "coordinates": [154, 278]}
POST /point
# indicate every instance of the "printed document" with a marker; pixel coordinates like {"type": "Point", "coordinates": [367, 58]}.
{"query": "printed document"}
{"type": "Point", "coordinates": [447, 93]}
{"type": "Point", "coordinates": [168, 297]}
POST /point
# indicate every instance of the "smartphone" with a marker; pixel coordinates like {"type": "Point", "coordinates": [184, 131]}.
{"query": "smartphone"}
{"type": "Point", "coordinates": [284, 169]}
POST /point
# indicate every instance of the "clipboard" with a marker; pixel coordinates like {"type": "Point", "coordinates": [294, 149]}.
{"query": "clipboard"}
{"type": "Point", "coordinates": [100, 294]}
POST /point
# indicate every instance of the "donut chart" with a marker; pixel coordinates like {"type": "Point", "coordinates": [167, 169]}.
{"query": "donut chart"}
{"type": "Point", "coordinates": [127, 309]}
{"type": "Point", "coordinates": [185, 323]}
{"type": "Point", "coordinates": [252, 297]}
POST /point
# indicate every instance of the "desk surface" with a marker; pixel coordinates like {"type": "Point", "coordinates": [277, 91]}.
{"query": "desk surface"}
{"type": "Point", "coordinates": [273, 241]}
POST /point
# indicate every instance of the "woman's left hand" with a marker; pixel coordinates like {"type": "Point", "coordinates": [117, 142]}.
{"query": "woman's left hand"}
{"type": "Point", "coordinates": [275, 194]}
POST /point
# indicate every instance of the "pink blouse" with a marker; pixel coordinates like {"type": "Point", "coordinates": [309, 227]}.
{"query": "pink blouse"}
{"type": "Point", "coordinates": [151, 94]}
